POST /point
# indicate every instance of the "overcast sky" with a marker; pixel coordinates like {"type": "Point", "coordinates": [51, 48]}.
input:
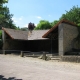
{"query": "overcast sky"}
{"type": "Point", "coordinates": [26, 11]}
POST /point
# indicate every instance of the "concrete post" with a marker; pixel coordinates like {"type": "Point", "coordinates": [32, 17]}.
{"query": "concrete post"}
{"type": "Point", "coordinates": [3, 39]}
{"type": "Point", "coordinates": [22, 54]}
{"type": "Point", "coordinates": [44, 56]}
{"type": "Point", "coordinates": [60, 39]}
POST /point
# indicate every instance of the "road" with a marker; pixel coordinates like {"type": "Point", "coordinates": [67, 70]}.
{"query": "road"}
{"type": "Point", "coordinates": [17, 68]}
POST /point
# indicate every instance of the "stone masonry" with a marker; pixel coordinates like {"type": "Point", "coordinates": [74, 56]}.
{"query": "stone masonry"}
{"type": "Point", "coordinates": [67, 33]}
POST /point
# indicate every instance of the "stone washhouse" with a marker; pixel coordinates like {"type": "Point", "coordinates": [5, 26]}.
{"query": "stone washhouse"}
{"type": "Point", "coordinates": [57, 40]}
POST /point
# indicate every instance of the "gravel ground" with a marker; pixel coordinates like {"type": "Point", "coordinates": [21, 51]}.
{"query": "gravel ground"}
{"type": "Point", "coordinates": [27, 68]}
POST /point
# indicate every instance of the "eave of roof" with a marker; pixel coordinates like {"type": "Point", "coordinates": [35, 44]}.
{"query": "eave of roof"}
{"type": "Point", "coordinates": [16, 34]}
{"type": "Point", "coordinates": [53, 28]}
{"type": "Point", "coordinates": [7, 33]}
{"type": "Point", "coordinates": [35, 35]}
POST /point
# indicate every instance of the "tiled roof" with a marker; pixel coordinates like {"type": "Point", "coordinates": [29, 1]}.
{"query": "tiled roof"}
{"type": "Point", "coordinates": [25, 35]}
{"type": "Point", "coordinates": [54, 27]}
{"type": "Point", "coordinates": [16, 34]}
{"type": "Point", "coordinates": [36, 34]}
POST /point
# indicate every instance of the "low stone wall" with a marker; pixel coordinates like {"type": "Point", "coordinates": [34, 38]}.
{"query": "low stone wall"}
{"type": "Point", "coordinates": [70, 58]}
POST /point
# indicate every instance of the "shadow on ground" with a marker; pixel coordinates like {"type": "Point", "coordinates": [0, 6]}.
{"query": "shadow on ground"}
{"type": "Point", "coordinates": [10, 78]}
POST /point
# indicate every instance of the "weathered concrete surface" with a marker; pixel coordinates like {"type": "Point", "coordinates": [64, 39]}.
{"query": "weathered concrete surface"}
{"type": "Point", "coordinates": [67, 33]}
{"type": "Point", "coordinates": [36, 69]}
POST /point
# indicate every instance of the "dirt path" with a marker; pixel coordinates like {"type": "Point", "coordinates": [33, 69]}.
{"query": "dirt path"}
{"type": "Point", "coordinates": [36, 69]}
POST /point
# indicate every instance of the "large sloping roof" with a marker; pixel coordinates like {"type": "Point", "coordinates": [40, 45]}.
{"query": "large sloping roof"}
{"type": "Point", "coordinates": [25, 35]}
{"type": "Point", "coordinates": [54, 27]}
{"type": "Point", "coordinates": [16, 34]}
{"type": "Point", "coordinates": [36, 34]}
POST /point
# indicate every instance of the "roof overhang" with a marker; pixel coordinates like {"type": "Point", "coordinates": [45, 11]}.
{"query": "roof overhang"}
{"type": "Point", "coordinates": [54, 27]}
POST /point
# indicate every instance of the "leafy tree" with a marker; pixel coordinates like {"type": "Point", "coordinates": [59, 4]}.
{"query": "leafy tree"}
{"type": "Point", "coordinates": [2, 8]}
{"type": "Point", "coordinates": [31, 26]}
{"type": "Point", "coordinates": [3, 1]}
{"type": "Point", "coordinates": [1, 4]}
{"type": "Point", "coordinates": [5, 16]}
{"type": "Point", "coordinates": [24, 29]}
{"type": "Point", "coordinates": [54, 23]}
{"type": "Point", "coordinates": [43, 24]}
{"type": "Point", "coordinates": [6, 19]}
{"type": "Point", "coordinates": [18, 28]}
{"type": "Point", "coordinates": [72, 15]}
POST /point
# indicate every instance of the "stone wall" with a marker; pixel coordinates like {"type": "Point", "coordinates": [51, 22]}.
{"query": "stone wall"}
{"type": "Point", "coordinates": [69, 34]}
{"type": "Point", "coordinates": [70, 58]}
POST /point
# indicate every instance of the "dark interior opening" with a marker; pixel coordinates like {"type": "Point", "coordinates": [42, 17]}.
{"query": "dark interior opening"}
{"type": "Point", "coordinates": [49, 45]}
{"type": "Point", "coordinates": [53, 36]}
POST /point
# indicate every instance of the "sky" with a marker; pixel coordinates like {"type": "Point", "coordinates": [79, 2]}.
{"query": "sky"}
{"type": "Point", "coordinates": [26, 11]}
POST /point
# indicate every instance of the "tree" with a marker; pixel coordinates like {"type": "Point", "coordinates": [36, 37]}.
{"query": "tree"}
{"type": "Point", "coordinates": [5, 16]}
{"type": "Point", "coordinates": [54, 23]}
{"type": "Point", "coordinates": [2, 8]}
{"type": "Point", "coordinates": [72, 15]}
{"type": "Point", "coordinates": [1, 4]}
{"type": "Point", "coordinates": [31, 26]}
{"type": "Point", "coordinates": [24, 29]}
{"type": "Point", "coordinates": [6, 19]}
{"type": "Point", "coordinates": [43, 24]}
{"type": "Point", "coordinates": [3, 1]}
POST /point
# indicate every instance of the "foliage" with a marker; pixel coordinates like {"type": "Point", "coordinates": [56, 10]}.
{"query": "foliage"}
{"type": "Point", "coordinates": [5, 16]}
{"type": "Point", "coordinates": [1, 4]}
{"type": "Point", "coordinates": [24, 29]}
{"type": "Point", "coordinates": [18, 28]}
{"type": "Point", "coordinates": [54, 23]}
{"type": "Point", "coordinates": [43, 24]}
{"type": "Point", "coordinates": [72, 15]}
{"type": "Point", "coordinates": [3, 1]}
{"type": "Point", "coordinates": [2, 8]}
{"type": "Point", "coordinates": [6, 19]}
{"type": "Point", "coordinates": [31, 26]}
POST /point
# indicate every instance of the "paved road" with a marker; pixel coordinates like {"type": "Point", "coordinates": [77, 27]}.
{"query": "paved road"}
{"type": "Point", "coordinates": [26, 68]}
